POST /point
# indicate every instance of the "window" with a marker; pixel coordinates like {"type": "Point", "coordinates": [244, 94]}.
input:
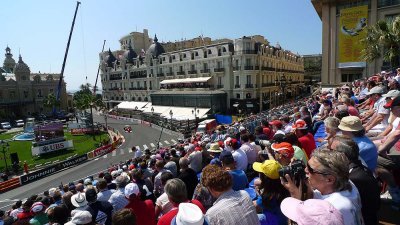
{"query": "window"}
{"type": "Point", "coordinates": [137, 84]}
{"type": "Point", "coordinates": [223, 49]}
{"type": "Point", "coordinates": [384, 3]}
{"type": "Point", "coordinates": [197, 54]}
{"type": "Point", "coordinates": [170, 69]}
{"type": "Point", "coordinates": [131, 84]}
{"type": "Point", "coordinates": [248, 62]}
{"type": "Point", "coordinates": [237, 63]}
{"type": "Point", "coordinates": [193, 67]}
{"type": "Point", "coordinates": [238, 96]}
{"type": "Point", "coordinates": [248, 79]}
{"type": "Point", "coordinates": [184, 55]}
{"type": "Point", "coordinates": [209, 51]}
{"type": "Point", "coordinates": [205, 66]}
{"type": "Point", "coordinates": [145, 84]}
{"type": "Point", "coordinates": [39, 93]}
{"type": "Point", "coordinates": [219, 64]}
{"type": "Point", "coordinates": [25, 94]}
{"type": "Point", "coordinates": [350, 77]}
{"type": "Point", "coordinates": [237, 80]}
{"type": "Point", "coordinates": [181, 68]}
{"type": "Point", "coordinates": [219, 80]}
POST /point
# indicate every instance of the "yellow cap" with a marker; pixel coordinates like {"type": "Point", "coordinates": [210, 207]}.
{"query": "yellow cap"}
{"type": "Point", "coordinates": [268, 167]}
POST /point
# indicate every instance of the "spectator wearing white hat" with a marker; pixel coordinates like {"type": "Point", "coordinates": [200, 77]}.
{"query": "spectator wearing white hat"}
{"type": "Point", "coordinates": [375, 94]}
{"type": "Point", "coordinates": [189, 214]}
{"type": "Point", "coordinates": [81, 218]}
{"type": "Point", "coordinates": [143, 210]}
{"type": "Point", "coordinates": [40, 217]}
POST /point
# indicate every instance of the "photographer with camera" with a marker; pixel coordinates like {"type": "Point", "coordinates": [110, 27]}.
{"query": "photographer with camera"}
{"type": "Point", "coordinates": [328, 179]}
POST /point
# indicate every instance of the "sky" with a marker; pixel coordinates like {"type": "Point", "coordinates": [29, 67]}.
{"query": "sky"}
{"type": "Point", "coordinates": [39, 29]}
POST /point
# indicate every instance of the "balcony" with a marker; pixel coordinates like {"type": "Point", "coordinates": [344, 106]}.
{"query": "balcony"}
{"type": "Point", "coordinates": [116, 77]}
{"type": "Point", "coordinates": [205, 71]}
{"type": "Point", "coordinates": [257, 67]}
{"type": "Point", "coordinates": [237, 85]}
{"type": "Point", "coordinates": [248, 67]}
{"type": "Point", "coordinates": [160, 75]}
{"type": "Point", "coordinates": [170, 74]}
{"type": "Point", "coordinates": [192, 72]}
{"type": "Point", "coordinates": [268, 84]}
{"type": "Point", "coordinates": [138, 88]}
{"type": "Point", "coordinates": [249, 86]}
{"type": "Point", "coordinates": [219, 70]}
{"type": "Point", "coordinates": [180, 73]}
{"type": "Point", "coordinates": [267, 68]}
{"type": "Point", "coordinates": [236, 68]}
{"type": "Point", "coordinates": [220, 86]}
{"type": "Point", "coordinates": [249, 51]}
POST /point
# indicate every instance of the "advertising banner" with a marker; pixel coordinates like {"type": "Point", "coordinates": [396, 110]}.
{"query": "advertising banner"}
{"type": "Point", "coordinates": [38, 150]}
{"type": "Point", "coordinates": [352, 28]}
{"type": "Point", "coordinates": [49, 131]}
{"type": "Point", "coordinates": [39, 174]}
{"type": "Point", "coordinates": [82, 131]}
{"type": "Point", "coordinates": [103, 150]}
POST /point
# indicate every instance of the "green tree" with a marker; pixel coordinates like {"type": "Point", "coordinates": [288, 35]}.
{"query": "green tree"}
{"type": "Point", "coordinates": [84, 99]}
{"type": "Point", "coordinates": [50, 101]}
{"type": "Point", "coordinates": [383, 40]}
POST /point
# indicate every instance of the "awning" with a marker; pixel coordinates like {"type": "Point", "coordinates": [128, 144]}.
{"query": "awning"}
{"type": "Point", "coordinates": [186, 80]}
{"type": "Point", "coordinates": [132, 105]}
{"type": "Point", "coordinates": [185, 113]}
{"type": "Point", "coordinates": [178, 113]}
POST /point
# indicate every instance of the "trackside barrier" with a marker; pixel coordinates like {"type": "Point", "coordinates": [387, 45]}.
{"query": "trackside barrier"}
{"type": "Point", "coordinates": [38, 174]}
{"type": "Point", "coordinates": [9, 184]}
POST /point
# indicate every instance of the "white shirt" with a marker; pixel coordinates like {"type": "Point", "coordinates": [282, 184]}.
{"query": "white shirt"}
{"type": "Point", "coordinates": [347, 202]}
{"type": "Point", "coordinates": [240, 158]}
{"type": "Point", "coordinates": [381, 110]}
{"type": "Point", "coordinates": [196, 161]}
{"type": "Point", "coordinates": [138, 153]}
{"type": "Point", "coordinates": [250, 152]}
{"type": "Point", "coordinates": [164, 203]}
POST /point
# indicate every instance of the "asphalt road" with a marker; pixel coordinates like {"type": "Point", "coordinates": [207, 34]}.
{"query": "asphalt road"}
{"type": "Point", "coordinates": [141, 136]}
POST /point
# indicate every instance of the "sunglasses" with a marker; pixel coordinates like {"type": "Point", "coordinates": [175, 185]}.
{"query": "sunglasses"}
{"type": "Point", "coordinates": [313, 171]}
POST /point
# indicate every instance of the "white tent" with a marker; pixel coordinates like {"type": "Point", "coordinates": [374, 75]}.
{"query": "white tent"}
{"type": "Point", "coordinates": [132, 105]}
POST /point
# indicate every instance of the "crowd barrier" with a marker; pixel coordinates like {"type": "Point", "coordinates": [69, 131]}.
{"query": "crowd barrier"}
{"type": "Point", "coordinates": [9, 184]}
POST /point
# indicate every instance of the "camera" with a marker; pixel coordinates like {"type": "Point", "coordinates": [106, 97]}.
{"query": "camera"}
{"type": "Point", "coordinates": [295, 171]}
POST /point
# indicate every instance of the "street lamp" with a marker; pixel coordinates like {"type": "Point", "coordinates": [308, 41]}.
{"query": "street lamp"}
{"type": "Point", "coordinates": [4, 149]}
{"type": "Point", "coordinates": [196, 112]}
{"type": "Point", "coordinates": [171, 114]}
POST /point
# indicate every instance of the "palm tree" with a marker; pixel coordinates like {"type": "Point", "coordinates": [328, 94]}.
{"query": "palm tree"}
{"type": "Point", "coordinates": [50, 101]}
{"type": "Point", "coordinates": [383, 40]}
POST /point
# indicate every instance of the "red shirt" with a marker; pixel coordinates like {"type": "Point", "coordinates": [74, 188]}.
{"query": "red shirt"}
{"type": "Point", "coordinates": [308, 144]}
{"type": "Point", "coordinates": [143, 210]}
{"type": "Point", "coordinates": [268, 132]}
{"type": "Point", "coordinates": [167, 218]}
{"type": "Point", "coordinates": [352, 111]}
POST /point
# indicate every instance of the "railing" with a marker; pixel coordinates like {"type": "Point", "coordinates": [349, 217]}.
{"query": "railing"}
{"type": "Point", "coordinates": [249, 51]}
{"type": "Point", "coordinates": [205, 71]}
{"type": "Point", "coordinates": [236, 68]}
{"type": "Point", "coordinates": [237, 85]}
{"type": "Point", "coordinates": [219, 69]}
{"type": "Point", "coordinates": [118, 77]}
{"type": "Point", "coordinates": [138, 88]}
{"type": "Point", "coordinates": [170, 74]}
{"type": "Point", "coordinates": [180, 73]}
{"type": "Point", "coordinates": [192, 72]}
{"type": "Point", "coordinates": [257, 67]}
{"type": "Point", "coordinates": [249, 86]}
{"type": "Point", "coordinates": [267, 68]}
{"type": "Point", "coordinates": [160, 75]}
{"type": "Point", "coordinates": [114, 88]}
{"type": "Point", "coordinates": [138, 76]}
{"type": "Point", "coordinates": [248, 67]}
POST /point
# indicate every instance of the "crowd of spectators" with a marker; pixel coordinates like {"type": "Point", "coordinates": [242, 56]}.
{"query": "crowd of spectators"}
{"type": "Point", "coordinates": [317, 160]}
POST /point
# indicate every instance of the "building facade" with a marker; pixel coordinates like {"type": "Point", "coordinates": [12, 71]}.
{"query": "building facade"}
{"type": "Point", "coordinates": [333, 73]}
{"type": "Point", "coordinates": [246, 70]}
{"type": "Point", "coordinates": [312, 68]}
{"type": "Point", "coordinates": [23, 93]}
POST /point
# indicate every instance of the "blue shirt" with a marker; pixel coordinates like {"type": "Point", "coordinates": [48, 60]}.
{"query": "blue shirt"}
{"type": "Point", "coordinates": [273, 214]}
{"type": "Point", "coordinates": [240, 181]}
{"type": "Point", "coordinates": [368, 151]}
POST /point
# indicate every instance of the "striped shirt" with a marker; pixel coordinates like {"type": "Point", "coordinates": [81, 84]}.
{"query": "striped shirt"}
{"type": "Point", "coordinates": [231, 208]}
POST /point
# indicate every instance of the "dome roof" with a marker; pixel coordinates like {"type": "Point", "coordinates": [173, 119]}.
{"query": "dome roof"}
{"type": "Point", "coordinates": [130, 55]}
{"type": "Point", "coordinates": [110, 59]}
{"type": "Point", "coordinates": [21, 67]}
{"type": "Point", "coordinates": [156, 48]}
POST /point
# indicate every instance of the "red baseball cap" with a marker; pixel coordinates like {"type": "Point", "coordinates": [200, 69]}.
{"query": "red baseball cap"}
{"type": "Point", "coordinates": [283, 148]}
{"type": "Point", "coordinates": [300, 124]}
{"type": "Point", "coordinates": [276, 123]}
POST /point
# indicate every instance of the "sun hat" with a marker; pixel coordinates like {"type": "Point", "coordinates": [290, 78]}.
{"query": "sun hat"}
{"type": "Point", "coordinates": [114, 174]}
{"type": "Point", "coordinates": [311, 211]}
{"type": "Point", "coordinates": [284, 148]}
{"type": "Point", "coordinates": [350, 123]}
{"type": "Point", "coordinates": [79, 200]}
{"type": "Point", "coordinates": [189, 214]}
{"type": "Point", "coordinates": [80, 217]}
{"type": "Point", "coordinates": [130, 189]}
{"type": "Point", "coordinates": [214, 147]}
{"type": "Point", "coordinates": [375, 90]}
{"type": "Point", "coordinates": [268, 167]}
{"type": "Point", "coordinates": [300, 124]}
{"type": "Point", "coordinates": [241, 129]}
{"type": "Point", "coordinates": [392, 94]}
{"type": "Point", "coordinates": [38, 207]}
